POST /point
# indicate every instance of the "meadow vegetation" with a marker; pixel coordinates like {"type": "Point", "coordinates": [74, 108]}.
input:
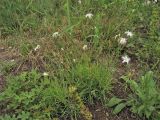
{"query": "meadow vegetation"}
{"type": "Point", "coordinates": [60, 58]}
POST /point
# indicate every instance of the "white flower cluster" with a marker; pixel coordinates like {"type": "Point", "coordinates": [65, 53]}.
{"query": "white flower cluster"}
{"type": "Point", "coordinates": [123, 41]}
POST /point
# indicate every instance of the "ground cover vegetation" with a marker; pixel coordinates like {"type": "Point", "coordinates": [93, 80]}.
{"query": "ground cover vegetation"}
{"type": "Point", "coordinates": [79, 60]}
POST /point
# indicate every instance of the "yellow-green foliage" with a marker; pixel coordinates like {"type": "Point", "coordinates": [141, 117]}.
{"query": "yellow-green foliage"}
{"type": "Point", "coordinates": [86, 114]}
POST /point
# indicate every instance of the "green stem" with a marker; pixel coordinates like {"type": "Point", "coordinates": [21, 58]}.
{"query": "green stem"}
{"type": "Point", "coordinates": [68, 13]}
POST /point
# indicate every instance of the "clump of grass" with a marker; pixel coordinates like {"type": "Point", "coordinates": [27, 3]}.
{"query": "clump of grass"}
{"type": "Point", "coordinates": [19, 15]}
{"type": "Point", "coordinates": [93, 80]}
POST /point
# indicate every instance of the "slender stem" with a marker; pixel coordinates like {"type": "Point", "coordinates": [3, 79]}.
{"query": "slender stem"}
{"type": "Point", "coordinates": [68, 13]}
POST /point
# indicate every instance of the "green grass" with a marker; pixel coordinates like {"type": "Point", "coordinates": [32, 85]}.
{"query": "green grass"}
{"type": "Point", "coordinates": [93, 80]}
{"type": "Point", "coordinates": [77, 77]}
{"type": "Point", "coordinates": [39, 97]}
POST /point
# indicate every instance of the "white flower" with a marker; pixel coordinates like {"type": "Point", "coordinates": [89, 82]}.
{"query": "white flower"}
{"type": "Point", "coordinates": [155, 1]}
{"type": "Point", "coordinates": [12, 60]}
{"type": "Point", "coordinates": [79, 1]}
{"type": "Point", "coordinates": [74, 60]}
{"type": "Point", "coordinates": [128, 33]}
{"type": "Point", "coordinates": [122, 41]}
{"type": "Point", "coordinates": [148, 2]}
{"type": "Point", "coordinates": [62, 49]}
{"type": "Point", "coordinates": [37, 47]}
{"type": "Point", "coordinates": [125, 59]}
{"type": "Point", "coordinates": [45, 74]}
{"type": "Point", "coordinates": [89, 15]}
{"type": "Point", "coordinates": [56, 34]}
{"type": "Point", "coordinates": [85, 47]}
{"type": "Point", "coordinates": [133, 10]}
